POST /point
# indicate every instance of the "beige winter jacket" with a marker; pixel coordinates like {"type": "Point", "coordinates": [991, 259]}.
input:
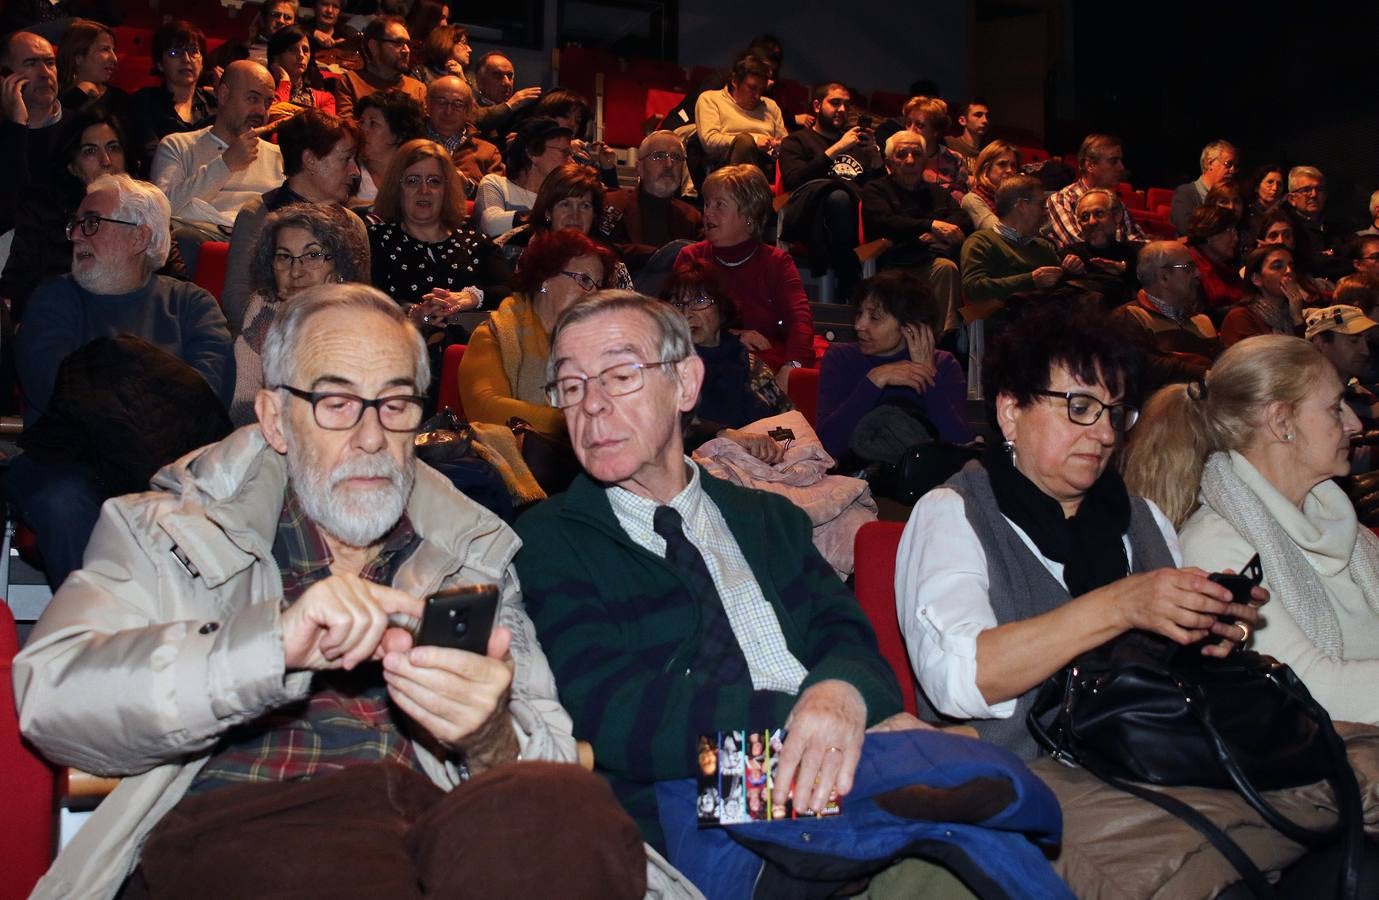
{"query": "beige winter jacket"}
{"type": "Point", "coordinates": [169, 636]}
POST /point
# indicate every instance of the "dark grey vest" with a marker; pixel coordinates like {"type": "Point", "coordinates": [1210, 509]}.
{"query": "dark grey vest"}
{"type": "Point", "coordinates": [1022, 588]}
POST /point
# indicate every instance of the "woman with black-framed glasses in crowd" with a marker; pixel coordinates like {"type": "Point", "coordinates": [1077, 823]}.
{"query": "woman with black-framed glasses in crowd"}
{"type": "Point", "coordinates": [1037, 554]}
{"type": "Point", "coordinates": [738, 386]}
{"type": "Point", "coordinates": [503, 373]}
{"type": "Point", "coordinates": [178, 105]}
{"type": "Point", "coordinates": [301, 245]}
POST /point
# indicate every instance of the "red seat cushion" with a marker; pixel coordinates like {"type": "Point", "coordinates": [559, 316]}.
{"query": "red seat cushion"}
{"type": "Point", "coordinates": [803, 389]}
{"type": "Point", "coordinates": [450, 380]}
{"type": "Point", "coordinates": [26, 827]}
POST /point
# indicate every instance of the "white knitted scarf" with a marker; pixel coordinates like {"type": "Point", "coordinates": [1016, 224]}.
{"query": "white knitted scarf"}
{"type": "Point", "coordinates": [1295, 583]}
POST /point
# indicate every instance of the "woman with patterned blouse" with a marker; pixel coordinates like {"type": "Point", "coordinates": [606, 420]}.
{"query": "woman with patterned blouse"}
{"type": "Point", "coordinates": [423, 253]}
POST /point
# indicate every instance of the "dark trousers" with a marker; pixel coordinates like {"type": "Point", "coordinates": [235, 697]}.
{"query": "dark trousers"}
{"type": "Point", "coordinates": [529, 829]}
{"type": "Point", "coordinates": [745, 150]}
{"type": "Point", "coordinates": [839, 210]}
{"type": "Point", "coordinates": [60, 502]}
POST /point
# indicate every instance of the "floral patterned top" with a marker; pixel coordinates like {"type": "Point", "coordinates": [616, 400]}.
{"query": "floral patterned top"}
{"type": "Point", "coordinates": [406, 268]}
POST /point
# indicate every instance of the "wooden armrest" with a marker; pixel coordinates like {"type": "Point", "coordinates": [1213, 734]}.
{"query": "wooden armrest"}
{"type": "Point", "coordinates": [983, 309]}
{"type": "Point", "coordinates": [586, 755]}
{"type": "Point", "coordinates": [778, 203]}
{"type": "Point", "coordinates": [11, 426]}
{"type": "Point", "coordinates": [872, 249]}
{"type": "Point", "coordinates": [964, 730]}
{"type": "Point", "coordinates": [79, 785]}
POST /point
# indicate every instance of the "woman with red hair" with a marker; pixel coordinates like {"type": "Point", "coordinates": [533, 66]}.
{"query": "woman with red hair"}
{"type": "Point", "coordinates": [504, 368]}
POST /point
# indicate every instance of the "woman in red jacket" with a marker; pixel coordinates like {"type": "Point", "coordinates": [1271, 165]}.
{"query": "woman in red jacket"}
{"type": "Point", "coordinates": [761, 279]}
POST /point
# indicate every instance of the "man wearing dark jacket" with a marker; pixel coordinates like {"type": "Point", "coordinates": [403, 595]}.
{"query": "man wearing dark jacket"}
{"type": "Point", "coordinates": [924, 224]}
{"type": "Point", "coordinates": [824, 167]}
{"type": "Point", "coordinates": [120, 236]}
{"type": "Point", "coordinates": [649, 225]}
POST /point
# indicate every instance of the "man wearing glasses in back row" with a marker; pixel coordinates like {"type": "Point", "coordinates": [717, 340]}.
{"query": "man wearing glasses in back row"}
{"type": "Point", "coordinates": [120, 238]}
{"type": "Point", "coordinates": [649, 225]}
{"type": "Point", "coordinates": [239, 648]}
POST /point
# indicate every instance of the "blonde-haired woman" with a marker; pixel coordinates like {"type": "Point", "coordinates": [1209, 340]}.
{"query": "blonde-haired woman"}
{"type": "Point", "coordinates": [1243, 462]}
{"type": "Point", "coordinates": [761, 279]}
{"type": "Point", "coordinates": [997, 162]}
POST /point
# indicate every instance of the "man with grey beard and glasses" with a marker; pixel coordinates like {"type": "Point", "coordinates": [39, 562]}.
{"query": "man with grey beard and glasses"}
{"type": "Point", "coordinates": [649, 225]}
{"type": "Point", "coordinates": [239, 648]}
{"type": "Point", "coordinates": [120, 238]}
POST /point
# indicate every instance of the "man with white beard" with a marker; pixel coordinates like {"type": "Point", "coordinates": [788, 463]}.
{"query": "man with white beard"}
{"type": "Point", "coordinates": [120, 238]}
{"type": "Point", "coordinates": [233, 647]}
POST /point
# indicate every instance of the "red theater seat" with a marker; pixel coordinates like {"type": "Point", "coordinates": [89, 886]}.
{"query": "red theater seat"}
{"type": "Point", "coordinates": [803, 390]}
{"type": "Point", "coordinates": [450, 380]}
{"type": "Point", "coordinates": [874, 551]}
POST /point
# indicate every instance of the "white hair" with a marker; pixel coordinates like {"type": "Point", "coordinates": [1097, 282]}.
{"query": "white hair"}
{"type": "Point", "coordinates": [890, 141]}
{"type": "Point", "coordinates": [1297, 173]}
{"type": "Point", "coordinates": [1374, 204]}
{"type": "Point", "coordinates": [141, 203]}
{"type": "Point", "coordinates": [1211, 152]}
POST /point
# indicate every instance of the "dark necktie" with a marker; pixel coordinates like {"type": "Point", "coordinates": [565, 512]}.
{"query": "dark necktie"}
{"type": "Point", "coordinates": [718, 653]}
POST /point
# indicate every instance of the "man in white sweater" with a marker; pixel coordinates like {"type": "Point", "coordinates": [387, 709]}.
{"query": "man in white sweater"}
{"type": "Point", "coordinates": [210, 173]}
{"type": "Point", "coordinates": [737, 124]}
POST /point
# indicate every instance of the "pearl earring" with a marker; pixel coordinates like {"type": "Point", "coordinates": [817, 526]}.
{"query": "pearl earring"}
{"type": "Point", "coordinates": [1288, 436]}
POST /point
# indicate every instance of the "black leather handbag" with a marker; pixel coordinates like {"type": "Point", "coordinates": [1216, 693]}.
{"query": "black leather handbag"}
{"type": "Point", "coordinates": [1142, 709]}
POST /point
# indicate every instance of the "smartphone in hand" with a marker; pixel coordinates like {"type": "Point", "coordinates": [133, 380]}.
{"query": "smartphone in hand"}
{"type": "Point", "coordinates": [460, 617]}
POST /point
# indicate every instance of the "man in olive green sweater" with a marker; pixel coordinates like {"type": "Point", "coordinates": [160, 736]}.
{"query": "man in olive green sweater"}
{"type": "Point", "coordinates": [1011, 257]}
{"type": "Point", "coordinates": [672, 604]}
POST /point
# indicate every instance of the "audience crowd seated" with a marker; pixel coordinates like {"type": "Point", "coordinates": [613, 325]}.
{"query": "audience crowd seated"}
{"type": "Point", "coordinates": [93, 143]}
{"type": "Point", "coordinates": [570, 197]}
{"type": "Point", "coordinates": [285, 564]}
{"type": "Point", "coordinates": [387, 120]}
{"type": "Point", "coordinates": [739, 388]}
{"type": "Point", "coordinates": [318, 157]}
{"type": "Point", "coordinates": [504, 200]}
{"type": "Point", "coordinates": [120, 237]}
{"type": "Point", "coordinates": [503, 372]}
{"type": "Point", "coordinates": [1178, 342]}
{"type": "Point", "coordinates": [1242, 462]}
{"type": "Point", "coordinates": [762, 279]}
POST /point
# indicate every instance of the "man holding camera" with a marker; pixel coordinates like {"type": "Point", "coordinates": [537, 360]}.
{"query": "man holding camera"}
{"type": "Point", "coordinates": [824, 167]}
{"type": "Point", "coordinates": [234, 648]}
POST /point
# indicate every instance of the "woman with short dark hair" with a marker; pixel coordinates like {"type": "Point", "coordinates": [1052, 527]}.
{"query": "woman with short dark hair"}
{"type": "Point", "coordinates": [1273, 299]}
{"type": "Point", "coordinates": [892, 363]}
{"type": "Point", "coordinates": [178, 105]}
{"type": "Point", "coordinates": [1038, 553]}
{"type": "Point", "coordinates": [1212, 239]}
{"type": "Point", "coordinates": [503, 202]}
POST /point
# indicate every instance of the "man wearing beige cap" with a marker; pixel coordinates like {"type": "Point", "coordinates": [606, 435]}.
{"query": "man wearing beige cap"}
{"type": "Point", "coordinates": [1339, 333]}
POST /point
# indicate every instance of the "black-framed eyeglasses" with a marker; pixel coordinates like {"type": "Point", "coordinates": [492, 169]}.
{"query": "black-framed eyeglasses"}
{"type": "Point", "coordinates": [703, 301]}
{"type": "Point", "coordinates": [174, 52]}
{"type": "Point", "coordinates": [311, 259]}
{"type": "Point", "coordinates": [616, 381]}
{"type": "Point", "coordinates": [336, 411]}
{"type": "Point", "coordinates": [586, 284]}
{"type": "Point", "coordinates": [1084, 409]}
{"type": "Point", "coordinates": [91, 224]}
{"type": "Point", "coordinates": [1182, 265]}
{"type": "Point", "coordinates": [661, 156]}
{"type": "Point", "coordinates": [1368, 257]}
{"type": "Point", "coordinates": [386, 40]}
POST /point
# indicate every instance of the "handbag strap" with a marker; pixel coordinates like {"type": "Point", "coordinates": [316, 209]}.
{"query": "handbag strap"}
{"type": "Point", "coordinates": [1249, 872]}
{"type": "Point", "coordinates": [1349, 825]}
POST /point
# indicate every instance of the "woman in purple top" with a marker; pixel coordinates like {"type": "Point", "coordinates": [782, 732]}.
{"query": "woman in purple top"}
{"type": "Point", "coordinates": [893, 362]}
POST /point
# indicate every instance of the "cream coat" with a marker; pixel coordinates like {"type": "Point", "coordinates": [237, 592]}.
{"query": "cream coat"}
{"type": "Point", "coordinates": [169, 635]}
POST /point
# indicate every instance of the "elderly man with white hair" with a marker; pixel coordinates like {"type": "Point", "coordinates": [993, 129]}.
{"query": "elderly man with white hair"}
{"type": "Point", "coordinates": [649, 225]}
{"type": "Point", "coordinates": [240, 646]}
{"type": "Point", "coordinates": [1218, 163]}
{"type": "Point", "coordinates": [1317, 241]}
{"type": "Point", "coordinates": [120, 238]}
{"type": "Point", "coordinates": [923, 222]}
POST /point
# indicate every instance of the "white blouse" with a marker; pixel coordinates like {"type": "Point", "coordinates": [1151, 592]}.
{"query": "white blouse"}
{"type": "Point", "coordinates": [942, 595]}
